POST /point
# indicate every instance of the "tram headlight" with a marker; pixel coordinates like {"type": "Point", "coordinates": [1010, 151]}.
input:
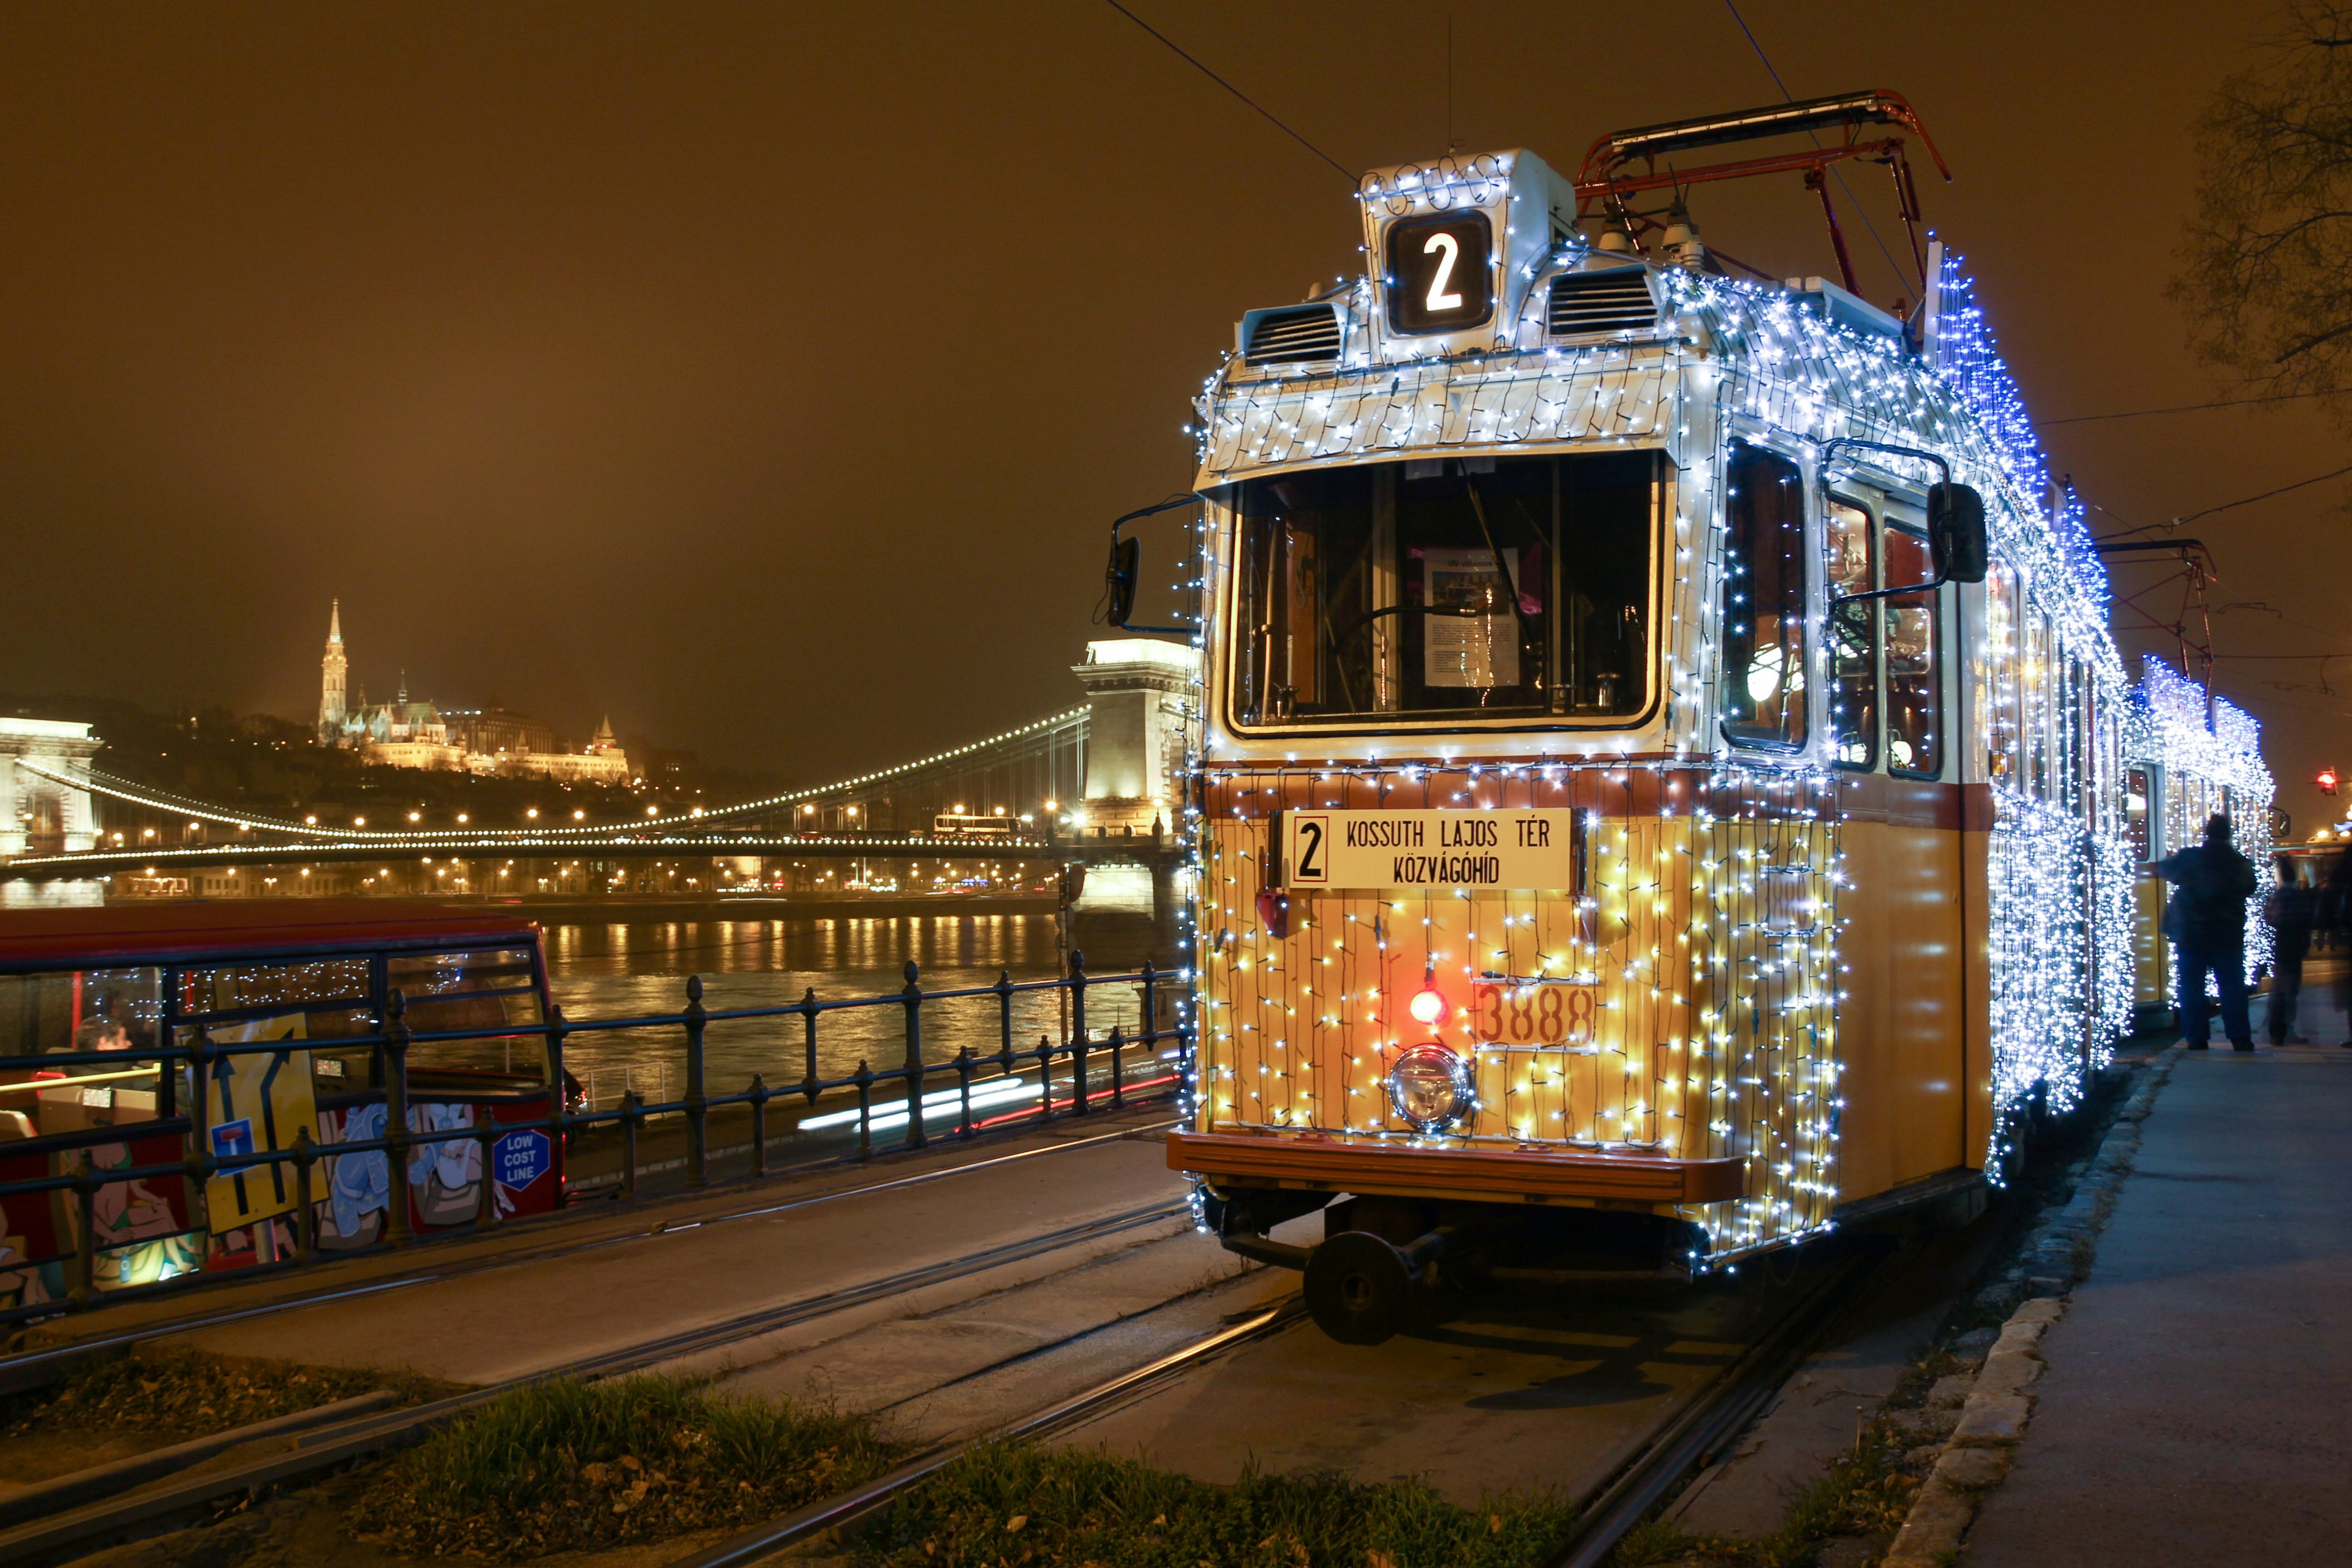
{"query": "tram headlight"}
{"type": "Point", "coordinates": [1430, 1086]}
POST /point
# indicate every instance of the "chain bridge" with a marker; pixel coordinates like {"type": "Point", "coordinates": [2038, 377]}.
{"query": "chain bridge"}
{"type": "Point", "coordinates": [1099, 782]}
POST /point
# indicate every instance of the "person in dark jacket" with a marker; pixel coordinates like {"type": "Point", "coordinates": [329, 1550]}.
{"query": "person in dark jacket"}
{"type": "Point", "coordinates": [2290, 910]}
{"type": "Point", "coordinates": [2335, 918]}
{"type": "Point", "coordinates": [2205, 920]}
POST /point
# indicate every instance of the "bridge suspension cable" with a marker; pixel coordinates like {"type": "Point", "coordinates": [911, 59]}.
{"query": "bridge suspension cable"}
{"type": "Point", "coordinates": [99, 783]}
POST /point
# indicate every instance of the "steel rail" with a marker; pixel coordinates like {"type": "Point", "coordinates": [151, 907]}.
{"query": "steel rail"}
{"type": "Point", "coordinates": [764, 1541]}
{"type": "Point", "coordinates": [1700, 1429]}
{"type": "Point", "coordinates": [33, 1369]}
{"type": "Point", "coordinates": [88, 1528]}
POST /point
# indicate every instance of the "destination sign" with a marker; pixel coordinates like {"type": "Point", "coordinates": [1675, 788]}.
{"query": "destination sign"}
{"type": "Point", "coordinates": [1534, 848]}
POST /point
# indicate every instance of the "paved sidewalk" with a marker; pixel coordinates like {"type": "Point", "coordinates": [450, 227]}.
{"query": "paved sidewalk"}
{"type": "Point", "coordinates": [2198, 1405]}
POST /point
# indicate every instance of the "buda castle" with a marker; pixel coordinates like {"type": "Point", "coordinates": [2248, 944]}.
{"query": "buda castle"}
{"type": "Point", "coordinates": [409, 733]}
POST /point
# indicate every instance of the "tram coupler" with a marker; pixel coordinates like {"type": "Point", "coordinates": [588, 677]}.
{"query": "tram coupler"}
{"type": "Point", "coordinates": [1361, 1287]}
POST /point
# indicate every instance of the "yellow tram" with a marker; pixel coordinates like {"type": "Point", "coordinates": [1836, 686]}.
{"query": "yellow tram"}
{"type": "Point", "coordinates": [1659, 792]}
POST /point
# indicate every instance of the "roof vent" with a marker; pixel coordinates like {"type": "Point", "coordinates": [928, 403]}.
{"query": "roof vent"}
{"type": "Point", "coordinates": [1295, 334]}
{"type": "Point", "coordinates": [1614, 300]}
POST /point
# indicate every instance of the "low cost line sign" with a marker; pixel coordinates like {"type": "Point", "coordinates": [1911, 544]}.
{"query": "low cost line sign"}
{"type": "Point", "coordinates": [1433, 848]}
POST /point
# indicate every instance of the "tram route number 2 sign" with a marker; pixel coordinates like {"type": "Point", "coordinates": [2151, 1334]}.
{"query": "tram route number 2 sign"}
{"type": "Point", "coordinates": [1535, 848]}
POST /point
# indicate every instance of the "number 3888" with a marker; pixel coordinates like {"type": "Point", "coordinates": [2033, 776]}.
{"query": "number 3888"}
{"type": "Point", "coordinates": [1532, 1015]}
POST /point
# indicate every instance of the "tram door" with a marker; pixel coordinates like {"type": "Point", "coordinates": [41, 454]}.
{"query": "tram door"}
{"type": "Point", "coordinates": [2144, 829]}
{"type": "Point", "coordinates": [1892, 685]}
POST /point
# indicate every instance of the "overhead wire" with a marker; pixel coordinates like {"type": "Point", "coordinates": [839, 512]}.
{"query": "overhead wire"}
{"type": "Point", "coordinates": [2249, 500]}
{"type": "Point", "coordinates": [1839, 175]}
{"type": "Point", "coordinates": [2184, 408]}
{"type": "Point", "coordinates": [1345, 172]}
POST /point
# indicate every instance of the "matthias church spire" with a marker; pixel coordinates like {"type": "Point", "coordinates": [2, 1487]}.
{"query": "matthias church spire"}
{"type": "Point", "coordinates": [333, 672]}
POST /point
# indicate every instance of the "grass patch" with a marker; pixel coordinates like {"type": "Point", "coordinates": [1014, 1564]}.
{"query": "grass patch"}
{"type": "Point", "coordinates": [189, 1393]}
{"type": "Point", "coordinates": [1009, 1504]}
{"type": "Point", "coordinates": [563, 1465]}
{"type": "Point", "coordinates": [1864, 1493]}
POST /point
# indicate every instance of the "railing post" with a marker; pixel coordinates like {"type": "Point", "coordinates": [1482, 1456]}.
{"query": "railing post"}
{"type": "Point", "coordinates": [306, 1214]}
{"type": "Point", "coordinates": [558, 1092]}
{"type": "Point", "coordinates": [1077, 1033]}
{"type": "Point", "coordinates": [759, 1125]}
{"type": "Point", "coordinates": [200, 1140]}
{"type": "Point", "coordinates": [1045, 1076]}
{"type": "Point", "coordinates": [963, 1066]}
{"type": "Point", "coordinates": [486, 1133]}
{"type": "Point", "coordinates": [396, 1036]}
{"type": "Point", "coordinates": [85, 1186]}
{"type": "Point", "coordinates": [808, 1023]}
{"type": "Point", "coordinates": [914, 1002]}
{"type": "Point", "coordinates": [631, 1112]}
{"type": "Point", "coordinates": [863, 1078]}
{"type": "Point", "coordinates": [1150, 1007]}
{"type": "Point", "coordinates": [1004, 1017]}
{"type": "Point", "coordinates": [698, 1103]}
{"type": "Point", "coordinates": [1117, 1074]}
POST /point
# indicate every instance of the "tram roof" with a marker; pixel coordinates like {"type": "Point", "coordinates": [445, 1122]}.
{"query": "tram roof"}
{"type": "Point", "coordinates": [180, 932]}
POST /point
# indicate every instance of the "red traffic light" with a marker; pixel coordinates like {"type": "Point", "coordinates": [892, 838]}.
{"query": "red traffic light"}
{"type": "Point", "coordinates": [2327, 781]}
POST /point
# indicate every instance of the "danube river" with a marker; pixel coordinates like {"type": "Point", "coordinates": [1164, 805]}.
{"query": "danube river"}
{"type": "Point", "coordinates": [638, 968]}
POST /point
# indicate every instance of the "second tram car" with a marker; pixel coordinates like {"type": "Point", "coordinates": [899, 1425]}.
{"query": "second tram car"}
{"type": "Point", "coordinates": [2188, 756]}
{"type": "Point", "coordinates": [1661, 791]}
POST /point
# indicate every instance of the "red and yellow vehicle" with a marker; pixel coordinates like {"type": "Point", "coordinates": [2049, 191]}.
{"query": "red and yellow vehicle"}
{"type": "Point", "coordinates": [101, 1009]}
{"type": "Point", "coordinates": [1660, 789]}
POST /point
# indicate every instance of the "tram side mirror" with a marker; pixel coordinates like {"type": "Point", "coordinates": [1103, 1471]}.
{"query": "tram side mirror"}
{"type": "Point", "coordinates": [1119, 580]}
{"type": "Point", "coordinates": [1956, 533]}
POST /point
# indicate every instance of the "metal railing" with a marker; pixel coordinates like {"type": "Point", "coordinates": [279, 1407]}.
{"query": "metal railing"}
{"type": "Point", "coordinates": [877, 1108]}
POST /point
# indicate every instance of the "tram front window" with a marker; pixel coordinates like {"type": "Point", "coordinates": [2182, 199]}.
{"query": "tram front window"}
{"type": "Point", "coordinates": [1474, 587]}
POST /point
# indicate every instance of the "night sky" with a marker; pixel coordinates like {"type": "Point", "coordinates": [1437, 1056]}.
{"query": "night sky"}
{"type": "Point", "coordinates": [765, 375]}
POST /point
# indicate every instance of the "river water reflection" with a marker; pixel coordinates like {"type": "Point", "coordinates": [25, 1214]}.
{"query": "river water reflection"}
{"type": "Point", "coordinates": [635, 968]}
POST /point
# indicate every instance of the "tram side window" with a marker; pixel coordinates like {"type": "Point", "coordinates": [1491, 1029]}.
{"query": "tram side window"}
{"type": "Point", "coordinates": [1763, 609]}
{"type": "Point", "coordinates": [1853, 633]}
{"type": "Point", "coordinates": [1996, 696]}
{"type": "Point", "coordinates": [1915, 657]}
{"type": "Point", "coordinates": [2034, 701]}
{"type": "Point", "coordinates": [2135, 794]}
{"type": "Point", "coordinates": [1466, 587]}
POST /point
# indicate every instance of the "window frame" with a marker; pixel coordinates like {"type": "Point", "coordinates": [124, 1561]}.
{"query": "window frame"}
{"type": "Point", "coordinates": [1808, 535]}
{"type": "Point", "coordinates": [1231, 651]}
{"type": "Point", "coordinates": [1874, 636]}
{"type": "Point", "coordinates": [1934, 599]}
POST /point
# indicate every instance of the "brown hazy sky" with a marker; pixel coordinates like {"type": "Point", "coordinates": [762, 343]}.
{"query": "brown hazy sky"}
{"type": "Point", "coordinates": [765, 374]}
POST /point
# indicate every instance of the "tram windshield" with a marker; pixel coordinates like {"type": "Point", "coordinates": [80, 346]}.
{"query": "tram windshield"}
{"type": "Point", "coordinates": [1457, 587]}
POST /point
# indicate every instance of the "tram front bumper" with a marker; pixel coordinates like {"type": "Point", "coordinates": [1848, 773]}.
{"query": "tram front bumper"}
{"type": "Point", "coordinates": [1570, 1176]}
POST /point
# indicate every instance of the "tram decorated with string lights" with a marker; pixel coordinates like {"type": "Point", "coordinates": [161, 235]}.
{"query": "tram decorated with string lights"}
{"type": "Point", "coordinates": [1660, 787]}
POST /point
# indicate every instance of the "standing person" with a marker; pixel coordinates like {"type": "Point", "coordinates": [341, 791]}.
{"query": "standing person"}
{"type": "Point", "coordinates": [2335, 918]}
{"type": "Point", "coordinates": [2205, 920]}
{"type": "Point", "coordinates": [2290, 910]}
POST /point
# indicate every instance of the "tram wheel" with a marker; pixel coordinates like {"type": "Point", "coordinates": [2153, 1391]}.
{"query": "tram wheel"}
{"type": "Point", "coordinates": [1358, 1288]}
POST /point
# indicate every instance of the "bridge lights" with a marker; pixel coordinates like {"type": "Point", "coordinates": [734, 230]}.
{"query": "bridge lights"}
{"type": "Point", "coordinates": [532, 813]}
{"type": "Point", "coordinates": [579, 816]}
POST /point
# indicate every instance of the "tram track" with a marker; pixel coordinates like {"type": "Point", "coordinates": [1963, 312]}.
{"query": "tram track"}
{"type": "Point", "coordinates": [1694, 1435]}
{"type": "Point", "coordinates": [34, 1369]}
{"type": "Point", "coordinates": [762, 1541]}
{"type": "Point", "coordinates": [68, 1530]}
{"type": "Point", "coordinates": [1684, 1440]}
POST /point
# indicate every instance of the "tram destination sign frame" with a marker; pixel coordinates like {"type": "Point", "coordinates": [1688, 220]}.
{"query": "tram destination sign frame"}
{"type": "Point", "coordinates": [1536, 849]}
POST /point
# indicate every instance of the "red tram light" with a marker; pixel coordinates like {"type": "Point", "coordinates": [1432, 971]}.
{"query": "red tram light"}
{"type": "Point", "coordinates": [1428, 1006]}
{"type": "Point", "coordinates": [2327, 781]}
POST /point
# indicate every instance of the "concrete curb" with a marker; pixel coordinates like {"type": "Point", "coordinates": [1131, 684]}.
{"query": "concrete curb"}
{"type": "Point", "coordinates": [1999, 1400]}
